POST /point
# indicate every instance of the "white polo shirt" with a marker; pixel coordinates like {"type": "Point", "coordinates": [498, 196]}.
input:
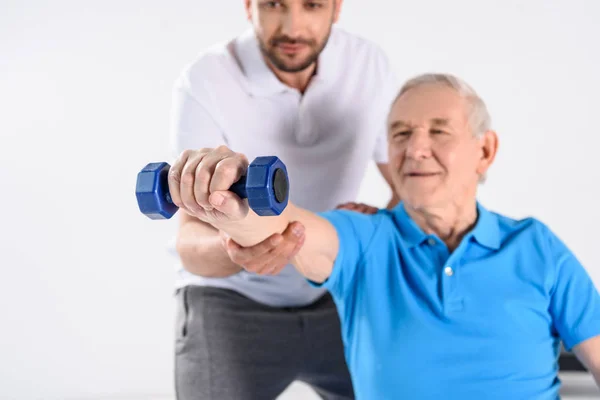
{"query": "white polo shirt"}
{"type": "Point", "coordinates": [326, 137]}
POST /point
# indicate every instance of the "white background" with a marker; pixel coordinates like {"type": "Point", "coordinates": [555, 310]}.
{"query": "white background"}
{"type": "Point", "coordinates": [86, 307]}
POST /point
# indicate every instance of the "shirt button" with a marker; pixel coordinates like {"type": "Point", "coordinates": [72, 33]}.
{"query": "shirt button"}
{"type": "Point", "coordinates": [448, 271]}
{"type": "Point", "coordinates": [431, 241]}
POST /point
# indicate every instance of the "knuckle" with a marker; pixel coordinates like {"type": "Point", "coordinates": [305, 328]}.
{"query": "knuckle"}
{"type": "Point", "coordinates": [274, 242]}
{"type": "Point", "coordinates": [185, 154]}
{"type": "Point", "coordinates": [241, 157]}
{"type": "Point", "coordinates": [187, 178]}
{"type": "Point", "coordinates": [174, 174]}
{"type": "Point", "coordinates": [222, 149]}
{"type": "Point", "coordinates": [202, 175]}
{"type": "Point", "coordinates": [238, 257]}
{"type": "Point", "coordinates": [227, 169]}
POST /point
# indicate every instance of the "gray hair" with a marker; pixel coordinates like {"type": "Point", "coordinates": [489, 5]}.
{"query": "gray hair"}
{"type": "Point", "coordinates": [479, 117]}
{"type": "Point", "coordinates": [480, 120]}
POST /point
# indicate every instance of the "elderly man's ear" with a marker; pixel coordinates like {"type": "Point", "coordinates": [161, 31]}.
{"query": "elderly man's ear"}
{"type": "Point", "coordinates": [489, 148]}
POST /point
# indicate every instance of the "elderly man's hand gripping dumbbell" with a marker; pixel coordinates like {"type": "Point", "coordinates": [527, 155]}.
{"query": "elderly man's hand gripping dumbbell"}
{"type": "Point", "coordinates": [213, 185]}
{"type": "Point", "coordinates": [200, 182]}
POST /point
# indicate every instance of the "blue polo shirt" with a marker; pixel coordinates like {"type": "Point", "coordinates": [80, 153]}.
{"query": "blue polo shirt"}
{"type": "Point", "coordinates": [482, 322]}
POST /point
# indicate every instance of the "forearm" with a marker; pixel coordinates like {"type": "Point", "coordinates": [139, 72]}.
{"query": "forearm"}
{"type": "Point", "coordinates": [315, 258]}
{"type": "Point", "coordinates": [254, 228]}
{"type": "Point", "coordinates": [201, 251]}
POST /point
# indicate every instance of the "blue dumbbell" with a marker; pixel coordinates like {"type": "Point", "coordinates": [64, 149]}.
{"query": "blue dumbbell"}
{"type": "Point", "coordinates": [265, 185]}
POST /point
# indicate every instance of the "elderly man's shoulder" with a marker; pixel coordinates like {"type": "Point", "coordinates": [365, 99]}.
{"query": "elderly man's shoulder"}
{"type": "Point", "coordinates": [372, 216]}
{"type": "Point", "coordinates": [528, 231]}
{"type": "Point", "coordinates": [361, 221]}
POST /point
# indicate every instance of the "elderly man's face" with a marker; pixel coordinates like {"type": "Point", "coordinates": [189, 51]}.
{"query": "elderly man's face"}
{"type": "Point", "coordinates": [436, 160]}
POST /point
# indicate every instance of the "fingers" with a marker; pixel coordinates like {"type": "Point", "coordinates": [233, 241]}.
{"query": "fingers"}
{"type": "Point", "coordinates": [346, 206]}
{"type": "Point", "coordinates": [181, 179]}
{"type": "Point", "coordinates": [188, 181]}
{"type": "Point", "coordinates": [257, 258]}
{"type": "Point", "coordinates": [229, 205]}
{"type": "Point", "coordinates": [174, 178]}
{"type": "Point", "coordinates": [358, 207]}
{"type": "Point", "coordinates": [271, 255]}
{"type": "Point", "coordinates": [205, 174]}
{"type": "Point", "coordinates": [245, 255]}
{"type": "Point", "coordinates": [280, 260]}
{"type": "Point", "coordinates": [197, 174]}
{"type": "Point", "coordinates": [228, 171]}
{"type": "Point", "coordinates": [366, 209]}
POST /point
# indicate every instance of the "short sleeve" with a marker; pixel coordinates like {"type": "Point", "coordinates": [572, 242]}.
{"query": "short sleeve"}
{"type": "Point", "coordinates": [191, 125]}
{"type": "Point", "coordinates": [355, 232]}
{"type": "Point", "coordinates": [390, 89]}
{"type": "Point", "coordinates": [575, 302]}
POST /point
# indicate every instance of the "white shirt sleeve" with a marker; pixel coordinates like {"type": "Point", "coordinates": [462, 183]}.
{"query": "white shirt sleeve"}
{"type": "Point", "coordinates": [191, 125]}
{"type": "Point", "coordinates": [380, 155]}
{"type": "Point", "coordinates": [390, 89]}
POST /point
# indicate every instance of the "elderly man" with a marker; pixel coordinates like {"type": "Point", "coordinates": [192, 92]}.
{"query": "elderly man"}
{"type": "Point", "coordinates": [438, 297]}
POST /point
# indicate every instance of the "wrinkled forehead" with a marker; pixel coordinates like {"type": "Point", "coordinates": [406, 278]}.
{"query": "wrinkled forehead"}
{"type": "Point", "coordinates": [431, 103]}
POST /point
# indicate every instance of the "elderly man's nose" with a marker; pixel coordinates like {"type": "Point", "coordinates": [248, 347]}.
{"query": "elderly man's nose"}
{"type": "Point", "coordinates": [419, 146]}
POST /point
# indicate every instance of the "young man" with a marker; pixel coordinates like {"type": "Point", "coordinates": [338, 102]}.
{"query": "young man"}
{"type": "Point", "coordinates": [439, 297]}
{"type": "Point", "coordinates": [296, 86]}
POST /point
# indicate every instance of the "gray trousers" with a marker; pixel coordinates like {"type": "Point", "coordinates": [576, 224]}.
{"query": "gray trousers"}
{"type": "Point", "coordinates": [229, 347]}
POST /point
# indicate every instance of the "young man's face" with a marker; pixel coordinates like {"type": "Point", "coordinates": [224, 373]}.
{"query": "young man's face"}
{"type": "Point", "coordinates": [292, 33]}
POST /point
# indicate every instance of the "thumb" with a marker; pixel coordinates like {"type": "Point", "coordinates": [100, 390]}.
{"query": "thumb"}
{"type": "Point", "coordinates": [229, 204]}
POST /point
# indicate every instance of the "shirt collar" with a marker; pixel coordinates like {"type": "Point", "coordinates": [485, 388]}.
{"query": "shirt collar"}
{"type": "Point", "coordinates": [487, 228]}
{"type": "Point", "coordinates": [486, 231]}
{"type": "Point", "coordinates": [262, 81]}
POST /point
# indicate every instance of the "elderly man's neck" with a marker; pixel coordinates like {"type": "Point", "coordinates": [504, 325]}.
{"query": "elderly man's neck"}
{"type": "Point", "coordinates": [450, 223]}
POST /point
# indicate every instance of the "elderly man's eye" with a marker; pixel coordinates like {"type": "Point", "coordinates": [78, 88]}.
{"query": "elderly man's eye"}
{"type": "Point", "coordinates": [401, 134]}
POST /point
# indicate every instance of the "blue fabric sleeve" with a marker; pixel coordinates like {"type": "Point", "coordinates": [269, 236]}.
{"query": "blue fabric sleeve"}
{"type": "Point", "coordinates": [575, 302]}
{"type": "Point", "coordinates": [355, 232]}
